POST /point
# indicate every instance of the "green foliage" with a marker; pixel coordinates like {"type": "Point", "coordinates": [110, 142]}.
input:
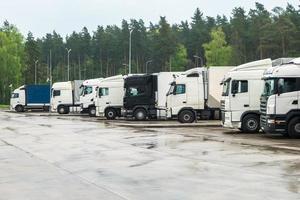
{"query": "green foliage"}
{"type": "Point", "coordinates": [245, 36]}
{"type": "Point", "coordinates": [11, 60]}
{"type": "Point", "coordinates": [217, 52]}
{"type": "Point", "coordinates": [179, 61]}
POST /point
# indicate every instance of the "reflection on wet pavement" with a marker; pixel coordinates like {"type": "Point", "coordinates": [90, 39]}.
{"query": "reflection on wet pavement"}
{"type": "Point", "coordinates": [68, 158]}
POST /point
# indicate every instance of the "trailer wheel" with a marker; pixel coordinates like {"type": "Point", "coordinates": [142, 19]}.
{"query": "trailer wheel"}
{"type": "Point", "coordinates": [186, 116]}
{"type": "Point", "coordinates": [110, 114]}
{"type": "Point", "coordinates": [63, 110]}
{"type": "Point", "coordinates": [140, 114]}
{"type": "Point", "coordinates": [92, 111]}
{"type": "Point", "coordinates": [251, 124]}
{"type": "Point", "coordinates": [19, 108]}
{"type": "Point", "coordinates": [294, 128]}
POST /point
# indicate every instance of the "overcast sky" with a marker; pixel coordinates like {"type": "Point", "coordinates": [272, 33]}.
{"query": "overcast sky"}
{"type": "Point", "coordinates": [64, 16]}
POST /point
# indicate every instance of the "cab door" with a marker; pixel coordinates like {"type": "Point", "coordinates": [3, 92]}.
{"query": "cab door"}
{"type": "Point", "coordinates": [178, 99]}
{"type": "Point", "coordinates": [103, 100]}
{"type": "Point", "coordinates": [239, 99]}
{"type": "Point", "coordinates": [287, 98]}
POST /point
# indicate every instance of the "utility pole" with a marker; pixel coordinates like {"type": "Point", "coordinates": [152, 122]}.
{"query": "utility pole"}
{"type": "Point", "coordinates": [35, 74]}
{"type": "Point", "coordinates": [200, 58]}
{"type": "Point", "coordinates": [68, 51]}
{"type": "Point", "coordinates": [130, 39]}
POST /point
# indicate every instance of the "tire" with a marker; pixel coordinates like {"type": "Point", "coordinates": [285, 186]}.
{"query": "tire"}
{"type": "Point", "coordinates": [251, 124]}
{"type": "Point", "coordinates": [63, 110]}
{"type": "Point", "coordinates": [19, 108]}
{"type": "Point", "coordinates": [140, 114]}
{"type": "Point", "coordinates": [186, 116]}
{"type": "Point", "coordinates": [92, 111]}
{"type": "Point", "coordinates": [110, 114]}
{"type": "Point", "coordinates": [294, 128]}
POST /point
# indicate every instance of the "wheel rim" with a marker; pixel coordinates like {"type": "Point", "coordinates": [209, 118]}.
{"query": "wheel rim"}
{"type": "Point", "coordinates": [252, 124]}
{"type": "Point", "coordinates": [110, 114]}
{"type": "Point", "coordinates": [61, 110]}
{"type": "Point", "coordinates": [297, 127]}
{"type": "Point", "coordinates": [186, 117]}
{"type": "Point", "coordinates": [140, 115]}
{"type": "Point", "coordinates": [93, 111]}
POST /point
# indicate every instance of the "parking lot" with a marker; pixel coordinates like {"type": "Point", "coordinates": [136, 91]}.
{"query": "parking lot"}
{"type": "Point", "coordinates": [71, 157]}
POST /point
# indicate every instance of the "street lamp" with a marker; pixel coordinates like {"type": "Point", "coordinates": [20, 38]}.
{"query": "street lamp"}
{"type": "Point", "coordinates": [130, 39]}
{"type": "Point", "coordinates": [69, 51]}
{"type": "Point", "coordinates": [200, 58]}
{"type": "Point", "coordinates": [35, 67]}
{"type": "Point", "coordinates": [125, 65]}
{"type": "Point", "coordinates": [148, 62]}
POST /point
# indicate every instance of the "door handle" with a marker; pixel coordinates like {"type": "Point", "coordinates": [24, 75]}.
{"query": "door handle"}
{"type": "Point", "coordinates": [246, 106]}
{"type": "Point", "coordinates": [295, 102]}
{"type": "Point", "coordinates": [184, 102]}
{"type": "Point", "coordinates": [107, 102]}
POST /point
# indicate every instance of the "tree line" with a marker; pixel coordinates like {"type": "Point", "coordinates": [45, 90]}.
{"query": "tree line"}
{"type": "Point", "coordinates": [211, 41]}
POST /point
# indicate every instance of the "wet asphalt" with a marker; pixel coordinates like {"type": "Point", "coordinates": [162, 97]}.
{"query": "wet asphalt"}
{"type": "Point", "coordinates": [72, 157]}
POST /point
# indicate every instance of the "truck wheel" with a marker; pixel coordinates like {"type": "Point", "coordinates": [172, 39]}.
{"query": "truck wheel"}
{"type": "Point", "coordinates": [294, 128]}
{"type": "Point", "coordinates": [19, 108]}
{"type": "Point", "coordinates": [62, 110]}
{"type": "Point", "coordinates": [251, 124]}
{"type": "Point", "coordinates": [92, 111]}
{"type": "Point", "coordinates": [140, 114]}
{"type": "Point", "coordinates": [186, 116]}
{"type": "Point", "coordinates": [110, 114]}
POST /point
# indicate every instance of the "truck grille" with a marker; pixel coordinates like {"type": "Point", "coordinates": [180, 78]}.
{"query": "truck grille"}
{"type": "Point", "coordinates": [263, 111]}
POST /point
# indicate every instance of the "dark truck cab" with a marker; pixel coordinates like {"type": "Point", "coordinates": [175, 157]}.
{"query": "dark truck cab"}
{"type": "Point", "coordinates": [140, 97]}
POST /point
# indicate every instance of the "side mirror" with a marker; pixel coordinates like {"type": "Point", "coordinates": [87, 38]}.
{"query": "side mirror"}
{"type": "Point", "coordinates": [234, 88]}
{"type": "Point", "coordinates": [280, 86]}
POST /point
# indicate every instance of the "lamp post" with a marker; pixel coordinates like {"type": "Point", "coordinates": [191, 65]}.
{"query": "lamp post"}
{"type": "Point", "coordinates": [35, 69]}
{"type": "Point", "coordinates": [130, 39]}
{"type": "Point", "coordinates": [200, 58]}
{"type": "Point", "coordinates": [125, 65]}
{"type": "Point", "coordinates": [148, 62]}
{"type": "Point", "coordinates": [68, 51]}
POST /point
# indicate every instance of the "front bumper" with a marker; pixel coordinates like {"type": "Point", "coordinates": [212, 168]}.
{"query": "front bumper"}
{"type": "Point", "coordinates": [273, 124]}
{"type": "Point", "coordinates": [227, 121]}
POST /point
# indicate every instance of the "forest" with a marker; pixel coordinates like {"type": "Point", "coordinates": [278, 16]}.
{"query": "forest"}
{"type": "Point", "coordinates": [202, 41]}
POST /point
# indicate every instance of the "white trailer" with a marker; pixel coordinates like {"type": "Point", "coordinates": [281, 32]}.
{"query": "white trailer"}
{"type": "Point", "coordinates": [88, 95]}
{"type": "Point", "coordinates": [196, 93]}
{"type": "Point", "coordinates": [65, 96]}
{"type": "Point", "coordinates": [109, 98]}
{"type": "Point", "coordinates": [280, 107]}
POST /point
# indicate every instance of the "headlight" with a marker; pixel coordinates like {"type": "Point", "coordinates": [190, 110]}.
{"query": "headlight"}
{"type": "Point", "coordinates": [271, 121]}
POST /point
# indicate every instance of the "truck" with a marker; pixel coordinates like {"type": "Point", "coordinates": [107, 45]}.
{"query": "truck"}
{"type": "Point", "coordinates": [109, 98]}
{"type": "Point", "coordinates": [145, 95]}
{"type": "Point", "coordinates": [88, 94]}
{"type": "Point", "coordinates": [28, 97]}
{"type": "Point", "coordinates": [196, 94]}
{"type": "Point", "coordinates": [66, 96]}
{"type": "Point", "coordinates": [242, 89]}
{"type": "Point", "coordinates": [279, 103]}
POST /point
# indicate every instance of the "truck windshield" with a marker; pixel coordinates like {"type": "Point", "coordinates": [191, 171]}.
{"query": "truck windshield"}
{"type": "Point", "coordinates": [86, 90]}
{"type": "Point", "coordinates": [269, 88]}
{"type": "Point", "coordinates": [171, 90]}
{"type": "Point", "coordinates": [226, 87]}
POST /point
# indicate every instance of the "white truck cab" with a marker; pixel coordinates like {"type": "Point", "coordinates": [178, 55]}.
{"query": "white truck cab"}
{"type": "Point", "coordinates": [242, 87]}
{"type": "Point", "coordinates": [280, 108]}
{"type": "Point", "coordinates": [17, 99]}
{"type": "Point", "coordinates": [109, 98]}
{"type": "Point", "coordinates": [196, 93]}
{"type": "Point", "coordinates": [88, 95]}
{"type": "Point", "coordinates": [65, 96]}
